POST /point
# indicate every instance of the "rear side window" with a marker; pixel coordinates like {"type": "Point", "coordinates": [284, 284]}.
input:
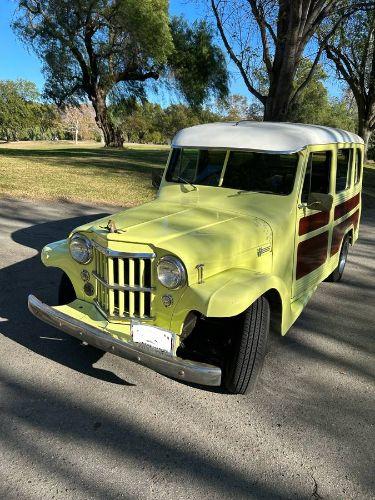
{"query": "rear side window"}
{"type": "Point", "coordinates": [357, 166]}
{"type": "Point", "coordinates": [261, 172]}
{"type": "Point", "coordinates": [318, 174]}
{"type": "Point", "coordinates": [343, 169]}
{"type": "Point", "coordinates": [198, 166]}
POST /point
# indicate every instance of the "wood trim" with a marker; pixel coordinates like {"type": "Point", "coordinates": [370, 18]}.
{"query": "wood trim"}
{"type": "Point", "coordinates": [346, 206]}
{"type": "Point", "coordinates": [311, 254]}
{"type": "Point", "coordinates": [340, 229]}
{"type": "Point", "coordinates": [312, 222]}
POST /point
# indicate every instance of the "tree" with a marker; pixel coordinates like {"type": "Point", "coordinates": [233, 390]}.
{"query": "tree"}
{"type": "Point", "coordinates": [198, 65]}
{"type": "Point", "coordinates": [18, 110]}
{"type": "Point", "coordinates": [267, 40]}
{"type": "Point", "coordinates": [352, 51]}
{"type": "Point", "coordinates": [79, 122]}
{"type": "Point", "coordinates": [313, 104]}
{"type": "Point", "coordinates": [101, 49]}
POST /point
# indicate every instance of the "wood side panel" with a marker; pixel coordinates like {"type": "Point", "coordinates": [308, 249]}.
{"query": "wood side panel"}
{"type": "Point", "coordinates": [311, 254]}
{"type": "Point", "coordinates": [346, 206]}
{"type": "Point", "coordinates": [311, 222]}
{"type": "Point", "coordinates": [340, 229]}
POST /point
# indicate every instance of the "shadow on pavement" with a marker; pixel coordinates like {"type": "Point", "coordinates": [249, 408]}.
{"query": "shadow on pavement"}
{"type": "Point", "coordinates": [31, 276]}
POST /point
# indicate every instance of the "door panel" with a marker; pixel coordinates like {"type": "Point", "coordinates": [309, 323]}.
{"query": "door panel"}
{"type": "Point", "coordinates": [311, 222]}
{"type": "Point", "coordinates": [311, 254]}
{"type": "Point", "coordinates": [313, 228]}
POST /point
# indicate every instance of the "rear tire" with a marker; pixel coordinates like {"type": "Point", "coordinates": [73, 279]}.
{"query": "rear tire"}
{"type": "Point", "coordinates": [336, 275]}
{"type": "Point", "coordinates": [66, 291]}
{"type": "Point", "coordinates": [249, 347]}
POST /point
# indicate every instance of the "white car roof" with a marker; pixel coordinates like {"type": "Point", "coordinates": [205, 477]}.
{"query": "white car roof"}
{"type": "Point", "coordinates": [261, 136]}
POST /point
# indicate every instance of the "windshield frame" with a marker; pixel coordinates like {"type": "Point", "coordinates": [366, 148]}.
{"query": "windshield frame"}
{"type": "Point", "coordinates": [299, 155]}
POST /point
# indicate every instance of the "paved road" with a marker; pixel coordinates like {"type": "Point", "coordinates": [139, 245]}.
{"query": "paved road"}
{"type": "Point", "coordinates": [76, 423]}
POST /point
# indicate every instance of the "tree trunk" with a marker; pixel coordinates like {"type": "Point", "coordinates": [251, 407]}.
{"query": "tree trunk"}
{"type": "Point", "coordinates": [364, 131]}
{"type": "Point", "coordinates": [112, 136]}
{"type": "Point", "coordinates": [286, 60]}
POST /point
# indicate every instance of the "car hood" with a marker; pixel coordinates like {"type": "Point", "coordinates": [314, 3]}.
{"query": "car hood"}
{"type": "Point", "coordinates": [196, 234]}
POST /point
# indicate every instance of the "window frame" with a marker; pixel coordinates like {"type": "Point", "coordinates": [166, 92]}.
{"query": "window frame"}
{"type": "Point", "coordinates": [349, 170]}
{"type": "Point", "coordinates": [358, 166]}
{"type": "Point", "coordinates": [310, 155]}
{"type": "Point", "coordinates": [226, 160]}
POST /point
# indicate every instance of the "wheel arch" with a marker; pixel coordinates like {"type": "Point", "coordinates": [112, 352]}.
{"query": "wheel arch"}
{"type": "Point", "coordinates": [231, 293]}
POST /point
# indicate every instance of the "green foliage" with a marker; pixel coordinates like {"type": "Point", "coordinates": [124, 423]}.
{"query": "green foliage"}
{"type": "Point", "coordinates": [102, 49]}
{"type": "Point", "coordinates": [150, 123]}
{"type": "Point", "coordinates": [21, 115]}
{"type": "Point", "coordinates": [314, 105]}
{"type": "Point", "coordinates": [198, 65]}
{"type": "Point", "coordinates": [83, 44]}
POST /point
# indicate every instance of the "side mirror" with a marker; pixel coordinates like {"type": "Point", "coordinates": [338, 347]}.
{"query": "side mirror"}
{"type": "Point", "coordinates": [156, 177]}
{"type": "Point", "coordinates": [320, 201]}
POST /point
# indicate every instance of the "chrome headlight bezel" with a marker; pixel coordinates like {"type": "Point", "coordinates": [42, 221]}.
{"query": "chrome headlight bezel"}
{"type": "Point", "coordinates": [175, 266]}
{"type": "Point", "coordinates": [86, 243]}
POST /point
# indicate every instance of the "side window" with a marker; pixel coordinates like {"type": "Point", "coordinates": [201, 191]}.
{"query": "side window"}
{"type": "Point", "coordinates": [318, 174]}
{"type": "Point", "coordinates": [357, 166]}
{"type": "Point", "coordinates": [343, 169]}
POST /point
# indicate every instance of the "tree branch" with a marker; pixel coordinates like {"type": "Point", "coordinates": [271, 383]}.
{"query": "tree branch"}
{"type": "Point", "coordinates": [128, 76]}
{"type": "Point", "coordinates": [234, 58]}
{"type": "Point", "coordinates": [259, 16]}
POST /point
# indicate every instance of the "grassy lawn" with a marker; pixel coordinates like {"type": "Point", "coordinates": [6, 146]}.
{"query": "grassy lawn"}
{"type": "Point", "coordinates": [84, 172]}
{"type": "Point", "coordinates": [87, 172]}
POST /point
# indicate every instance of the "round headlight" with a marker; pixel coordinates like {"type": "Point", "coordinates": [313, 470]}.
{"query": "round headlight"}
{"type": "Point", "coordinates": [171, 272]}
{"type": "Point", "coordinates": [80, 248]}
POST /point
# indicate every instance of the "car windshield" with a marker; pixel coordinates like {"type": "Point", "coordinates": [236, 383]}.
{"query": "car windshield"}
{"type": "Point", "coordinates": [196, 166]}
{"type": "Point", "coordinates": [263, 172]}
{"type": "Point", "coordinates": [244, 170]}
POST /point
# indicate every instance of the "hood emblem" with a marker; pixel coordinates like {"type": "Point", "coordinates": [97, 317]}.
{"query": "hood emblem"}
{"type": "Point", "coordinates": [111, 227]}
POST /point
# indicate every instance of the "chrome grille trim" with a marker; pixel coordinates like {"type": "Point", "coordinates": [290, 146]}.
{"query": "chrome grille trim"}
{"type": "Point", "coordinates": [123, 288]}
{"type": "Point", "coordinates": [118, 318]}
{"type": "Point", "coordinates": [123, 285]}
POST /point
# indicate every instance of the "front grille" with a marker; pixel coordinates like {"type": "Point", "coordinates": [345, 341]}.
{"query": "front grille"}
{"type": "Point", "coordinates": [123, 283]}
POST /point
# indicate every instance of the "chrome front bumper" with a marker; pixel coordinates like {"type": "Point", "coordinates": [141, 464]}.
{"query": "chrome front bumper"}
{"type": "Point", "coordinates": [171, 366]}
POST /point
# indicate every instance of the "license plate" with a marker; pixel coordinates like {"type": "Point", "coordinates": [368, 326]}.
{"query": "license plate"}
{"type": "Point", "coordinates": [153, 336]}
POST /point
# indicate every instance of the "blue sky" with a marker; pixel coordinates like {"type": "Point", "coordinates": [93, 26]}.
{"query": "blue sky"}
{"type": "Point", "coordinates": [17, 62]}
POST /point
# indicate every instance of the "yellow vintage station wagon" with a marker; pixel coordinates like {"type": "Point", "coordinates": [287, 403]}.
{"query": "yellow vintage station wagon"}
{"type": "Point", "coordinates": [249, 219]}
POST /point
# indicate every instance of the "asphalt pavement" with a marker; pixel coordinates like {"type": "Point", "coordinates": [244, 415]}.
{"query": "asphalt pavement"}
{"type": "Point", "coordinates": [76, 423]}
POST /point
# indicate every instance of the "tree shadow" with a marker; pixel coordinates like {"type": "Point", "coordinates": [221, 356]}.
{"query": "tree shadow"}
{"type": "Point", "coordinates": [31, 276]}
{"type": "Point", "coordinates": [143, 161]}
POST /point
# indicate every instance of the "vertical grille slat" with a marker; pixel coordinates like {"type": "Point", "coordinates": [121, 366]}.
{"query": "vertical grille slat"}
{"type": "Point", "coordinates": [121, 304]}
{"type": "Point", "coordinates": [131, 283]}
{"type": "Point", "coordinates": [123, 271]}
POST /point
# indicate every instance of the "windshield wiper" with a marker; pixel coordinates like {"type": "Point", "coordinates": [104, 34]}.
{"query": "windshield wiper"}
{"type": "Point", "coordinates": [185, 181]}
{"type": "Point", "coordinates": [242, 191]}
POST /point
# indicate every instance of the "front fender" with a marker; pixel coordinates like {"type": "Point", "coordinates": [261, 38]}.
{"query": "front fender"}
{"type": "Point", "coordinates": [57, 254]}
{"type": "Point", "coordinates": [226, 294]}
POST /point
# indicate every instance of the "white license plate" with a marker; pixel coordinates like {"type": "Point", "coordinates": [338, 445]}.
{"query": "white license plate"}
{"type": "Point", "coordinates": [153, 336]}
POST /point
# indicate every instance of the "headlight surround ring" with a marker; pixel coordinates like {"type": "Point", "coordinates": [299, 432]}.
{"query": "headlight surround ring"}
{"type": "Point", "coordinates": [171, 272]}
{"type": "Point", "coordinates": [80, 248]}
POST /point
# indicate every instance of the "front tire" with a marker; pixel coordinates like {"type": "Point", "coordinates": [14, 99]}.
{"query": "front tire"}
{"type": "Point", "coordinates": [66, 291]}
{"type": "Point", "coordinates": [336, 275]}
{"type": "Point", "coordinates": [245, 362]}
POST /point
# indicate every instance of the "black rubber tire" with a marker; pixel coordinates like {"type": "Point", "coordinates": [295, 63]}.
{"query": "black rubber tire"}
{"type": "Point", "coordinates": [66, 291]}
{"type": "Point", "coordinates": [245, 362]}
{"type": "Point", "coordinates": [336, 275]}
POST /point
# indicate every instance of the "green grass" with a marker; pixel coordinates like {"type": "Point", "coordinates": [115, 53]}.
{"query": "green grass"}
{"type": "Point", "coordinates": [86, 172]}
